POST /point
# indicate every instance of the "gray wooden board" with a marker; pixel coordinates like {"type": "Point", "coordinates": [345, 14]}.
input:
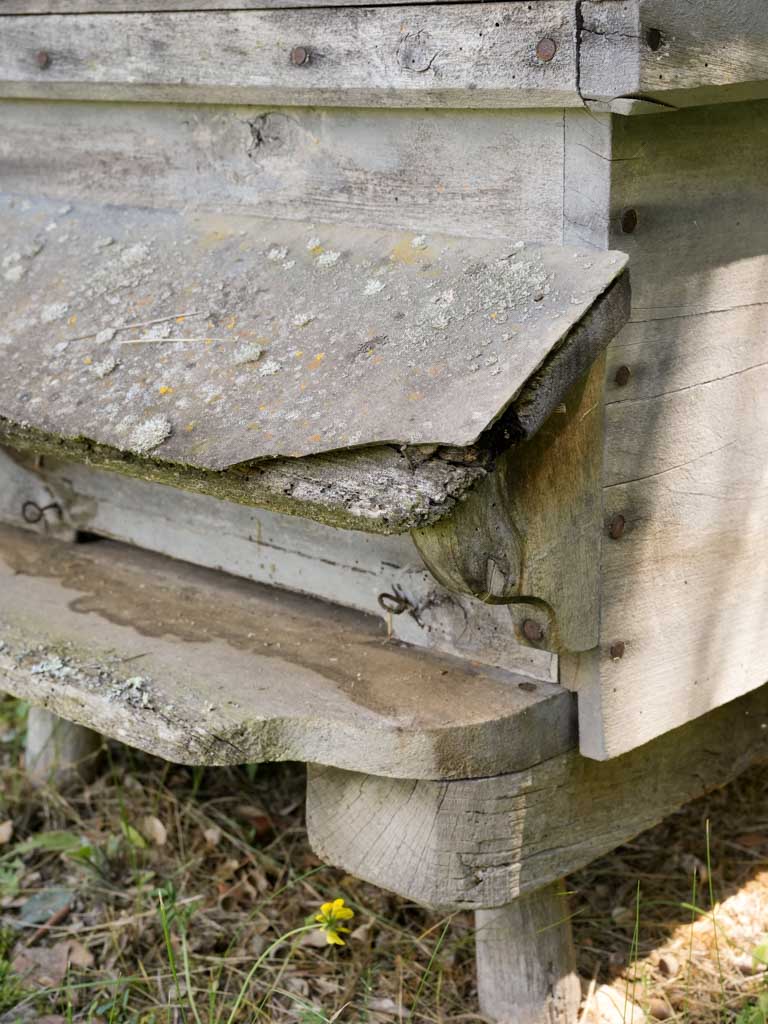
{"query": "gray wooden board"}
{"type": "Point", "coordinates": [296, 339]}
{"type": "Point", "coordinates": [686, 451]}
{"type": "Point", "coordinates": [121, 6]}
{"type": "Point", "coordinates": [200, 668]}
{"type": "Point", "coordinates": [458, 55]}
{"type": "Point", "coordinates": [712, 51]}
{"type": "Point", "coordinates": [422, 170]}
{"type": "Point", "coordinates": [346, 567]}
{"type": "Point", "coordinates": [484, 842]}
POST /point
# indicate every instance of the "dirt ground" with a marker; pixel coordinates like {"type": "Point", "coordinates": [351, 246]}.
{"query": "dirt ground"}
{"type": "Point", "coordinates": [153, 896]}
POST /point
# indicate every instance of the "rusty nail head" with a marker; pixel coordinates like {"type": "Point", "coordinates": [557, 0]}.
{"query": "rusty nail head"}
{"type": "Point", "coordinates": [616, 526]}
{"type": "Point", "coordinates": [299, 55]}
{"type": "Point", "coordinates": [653, 39]}
{"type": "Point", "coordinates": [622, 375]}
{"type": "Point", "coordinates": [629, 220]}
{"type": "Point", "coordinates": [546, 49]}
{"type": "Point", "coordinates": [533, 631]}
{"type": "Point", "coordinates": [616, 650]}
{"type": "Point", "coordinates": [43, 59]}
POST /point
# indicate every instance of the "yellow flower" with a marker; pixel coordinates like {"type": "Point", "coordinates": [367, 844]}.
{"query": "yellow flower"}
{"type": "Point", "coordinates": [329, 921]}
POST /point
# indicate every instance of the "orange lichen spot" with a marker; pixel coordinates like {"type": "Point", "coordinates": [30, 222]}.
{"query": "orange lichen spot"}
{"type": "Point", "coordinates": [263, 408]}
{"type": "Point", "coordinates": [231, 323]}
{"type": "Point", "coordinates": [72, 320]}
{"type": "Point", "coordinates": [180, 319]}
{"type": "Point", "coordinates": [209, 341]}
{"type": "Point", "coordinates": [87, 360]}
{"type": "Point", "coordinates": [190, 426]}
{"type": "Point", "coordinates": [494, 316]}
{"type": "Point", "coordinates": [303, 386]}
{"type": "Point", "coordinates": [164, 389]}
{"type": "Point", "coordinates": [317, 250]}
{"type": "Point", "coordinates": [317, 360]}
{"type": "Point", "coordinates": [440, 188]}
{"type": "Point", "coordinates": [299, 353]}
{"type": "Point", "coordinates": [435, 371]}
{"type": "Point", "coordinates": [415, 396]}
{"type": "Point", "coordinates": [315, 438]}
{"type": "Point", "coordinates": [268, 436]}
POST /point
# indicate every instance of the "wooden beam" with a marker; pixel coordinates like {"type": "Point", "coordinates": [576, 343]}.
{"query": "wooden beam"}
{"type": "Point", "coordinates": [461, 55]}
{"type": "Point", "coordinates": [482, 843]}
{"type": "Point", "coordinates": [200, 668]}
{"type": "Point", "coordinates": [673, 52]}
{"type": "Point", "coordinates": [155, 6]}
{"type": "Point", "coordinates": [526, 964]}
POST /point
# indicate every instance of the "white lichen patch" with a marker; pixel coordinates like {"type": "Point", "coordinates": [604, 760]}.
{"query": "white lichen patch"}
{"type": "Point", "coordinates": [373, 286]}
{"type": "Point", "coordinates": [105, 367]}
{"type": "Point", "coordinates": [249, 353]}
{"type": "Point", "coordinates": [15, 273]}
{"type": "Point", "coordinates": [5, 339]}
{"type": "Point", "coordinates": [53, 311]}
{"type": "Point", "coordinates": [269, 368]}
{"type": "Point", "coordinates": [419, 242]}
{"type": "Point", "coordinates": [103, 243]}
{"type": "Point", "coordinates": [313, 243]}
{"type": "Point", "coordinates": [277, 253]}
{"type": "Point", "coordinates": [105, 335]}
{"type": "Point", "coordinates": [134, 255]}
{"type": "Point", "coordinates": [328, 259]}
{"type": "Point", "coordinates": [149, 434]}
{"type": "Point", "coordinates": [303, 320]}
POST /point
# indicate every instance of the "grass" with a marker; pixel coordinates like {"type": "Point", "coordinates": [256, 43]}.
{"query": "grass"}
{"type": "Point", "coordinates": [169, 895]}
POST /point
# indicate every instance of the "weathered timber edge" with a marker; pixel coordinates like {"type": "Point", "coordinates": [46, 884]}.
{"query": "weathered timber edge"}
{"type": "Point", "coordinates": [377, 490]}
{"type": "Point", "coordinates": [232, 672]}
{"type": "Point", "coordinates": [482, 843]}
{"type": "Point", "coordinates": [383, 489]}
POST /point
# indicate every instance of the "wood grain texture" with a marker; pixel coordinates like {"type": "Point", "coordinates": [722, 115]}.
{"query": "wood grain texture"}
{"type": "Point", "coordinates": [346, 567]}
{"type": "Point", "coordinates": [58, 753]}
{"type": "Point", "coordinates": [686, 456]}
{"type": "Point", "coordinates": [531, 530]}
{"type": "Point", "coordinates": [420, 170]}
{"type": "Point", "coordinates": [526, 965]}
{"type": "Point", "coordinates": [231, 672]}
{"type": "Point", "coordinates": [463, 55]}
{"type": "Point", "coordinates": [124, 6]}
{"type": "Point", "coordinates": [482, 843]}
{"type": "Point", "coordinates": [675, 52]}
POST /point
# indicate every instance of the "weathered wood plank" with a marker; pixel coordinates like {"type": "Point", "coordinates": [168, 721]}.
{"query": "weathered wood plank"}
{"type": "Point", "coordinates": [280, 338]}
{"type": "Point", "coordinates": [349, 568]}
{"type": "Point", "coordinates": [200, 668]}
{"type": "Point", "coordinates": [484, 842]}
{"type": "Point", "coordinates": [675, 52]}
{"type": "Point", "coordinates": [526, 964]}
{"type": "Point", "coordinates": [150, 6]}
{"type": "Point", "coordinates": [421, 170]}
{"type": "Point", "coordinates": [686, 429]}
{"type": "Point", "coordinates": [463, 55]}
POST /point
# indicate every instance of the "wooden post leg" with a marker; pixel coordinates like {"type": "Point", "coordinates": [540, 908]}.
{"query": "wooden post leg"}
{"type": "Point", "coordinates": [58, 752]}
{"type": "Point", "coordinates": [526, 969]}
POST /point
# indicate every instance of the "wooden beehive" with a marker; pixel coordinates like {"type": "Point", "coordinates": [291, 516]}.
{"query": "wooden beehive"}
{"type": "Point", "coordinates": [335, 300]}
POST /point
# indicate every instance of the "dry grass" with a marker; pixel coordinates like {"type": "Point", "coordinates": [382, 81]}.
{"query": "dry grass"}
{"type": "Point", "coordinates": [176, 880]}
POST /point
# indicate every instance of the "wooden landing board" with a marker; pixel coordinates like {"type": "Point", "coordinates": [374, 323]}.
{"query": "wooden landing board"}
{"type": "Point", "coordinates": [484, 842]}
{"type": "Point", "coordinates": [460, 55]}
{"type": "Point", "coordinates": [255, 339]}
{"type": "Point", "coordinates": [686, 437]}
{"type": "Point", "coordinates": [199, 668]}
{"type": "Point", "coordinates": [151, 6]}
